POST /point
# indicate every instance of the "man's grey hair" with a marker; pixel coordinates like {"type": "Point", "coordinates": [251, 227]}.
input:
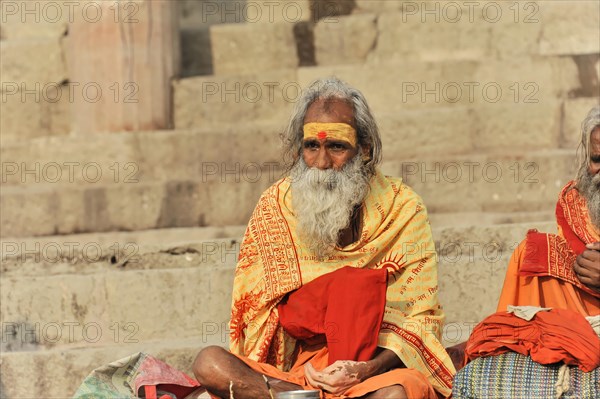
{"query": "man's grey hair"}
{"type": "Point", "coordinates": [366, 128]}
{"type": "Point", "coordinates": [591, 121]}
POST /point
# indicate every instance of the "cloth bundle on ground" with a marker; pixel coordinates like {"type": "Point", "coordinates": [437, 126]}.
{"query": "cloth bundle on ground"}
{"type": "Point", "coordinates": [512, 375]}
{"type": "Point", "coordinates": [556, 335]}
{"type": "Point", "coordinates": [138, 376]}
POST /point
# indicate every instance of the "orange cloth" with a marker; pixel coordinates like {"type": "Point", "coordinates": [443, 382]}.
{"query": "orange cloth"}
{"type": "Point", "coordinates": [345, 307]}
{"type": "Point", "coordinates": [558, 335]}
{"type": "Point", "coordinates": [414, 382]}
{"type": "Point", "coordinates": [395, 236]}
{"type": "Point", "coordinates": [540, 272]}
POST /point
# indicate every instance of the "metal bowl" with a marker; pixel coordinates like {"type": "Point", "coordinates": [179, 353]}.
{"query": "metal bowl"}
{"type": "Point", "coordinates": [309, 394]}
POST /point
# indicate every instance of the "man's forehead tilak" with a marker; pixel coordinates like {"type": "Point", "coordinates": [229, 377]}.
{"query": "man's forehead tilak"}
{"type": "Point", "coordinates": [337, 131]}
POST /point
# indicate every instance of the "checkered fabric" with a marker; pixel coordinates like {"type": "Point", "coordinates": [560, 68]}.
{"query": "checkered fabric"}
{"type": "Point", "coordinates": [512, 375]}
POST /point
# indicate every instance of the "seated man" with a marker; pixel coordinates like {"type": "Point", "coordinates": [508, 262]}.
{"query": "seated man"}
{"type": "Point", "coordinates": [563, 271]}
{"type": "Point", "coordinates": [336, 284]}
{"type": "Point", "coordinates": [542, 345]}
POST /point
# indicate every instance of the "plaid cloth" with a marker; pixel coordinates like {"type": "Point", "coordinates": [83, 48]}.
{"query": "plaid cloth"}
{"type": "Point", "coordinates": [512, 375]}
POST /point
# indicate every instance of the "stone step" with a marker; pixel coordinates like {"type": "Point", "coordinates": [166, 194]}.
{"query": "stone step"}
{"type": "Point", "coordinates": [59, 372]}
{"type": "Point", "coordinates": [74, 290]}
{"type": "Point", "coordinates": [390, 87]}
{"type": "Point", "coordinates": [489, 183]}
{"type": "Point", "coordinates": [530, 82]}
{"type": "Point", "coordinates": [141, 157]}
{"type": "Point", "coordinates": [84, 254]}
{"type": "Point", "coordinates": [61, 320]}
{"type": "Point", "coordinates": [448, 30]}
{"type": "Point", "coordinates": [134, 295]}
{"type": "Point", "coordinates": [151, 156]}
{"type": "Point", "coordinates": [483, 183]}
{"type": "Point", "coordinates": [487, 31]}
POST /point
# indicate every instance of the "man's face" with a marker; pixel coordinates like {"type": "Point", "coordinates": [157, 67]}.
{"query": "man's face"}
{"type": "Point", "coordinates": [328, 153]}
{"type": "Point", "coordinates": [589, 184]}
{"type": "Point", "coordinates": [594, 166]}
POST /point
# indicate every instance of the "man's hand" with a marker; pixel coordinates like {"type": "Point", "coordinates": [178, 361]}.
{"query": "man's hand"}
{"type": "Point", "coordinates": [587, 266]}
{"type": "Point", "coordinates": [339, 377]}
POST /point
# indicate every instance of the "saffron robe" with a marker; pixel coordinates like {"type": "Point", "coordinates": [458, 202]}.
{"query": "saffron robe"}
{"type": "Point", "coordinates": [395, 236]}
{"type": "Point", "coordinates": [540, 272]}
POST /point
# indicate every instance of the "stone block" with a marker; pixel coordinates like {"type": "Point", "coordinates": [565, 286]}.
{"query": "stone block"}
{"type": "Point", "coordinates": [432, 38]}
{"type": "Point", "coordinates": [227, 199]}
{"type": "Point", "coordinates": [109, 304]}
{"type": "Point", "coordinates": [526, 80]}
{"type": "Point", "coordinates": [143, 157]}
{"type": "Point", "coordinates": [273, 47]}
{"type": "Point", "coordinates": [575, 111]}
{"type": "Point", "coordinates": [35, 19]}
{"type": "Point", "coordinates": [409, 133]}
{"type": "Point", "coordinates": [128, 302]}
{"type": "Point", "coordinates": [470, 288]}
{"type": "Point", "coordinates": [31, 64]}
{"type": "Point", "coordinates": [347, 40]}
{"type": "Point", "coordinates": [505, 127]}
{"type": "Point", "coordinates": [490, 183]}
{"type": "Point", "coordinates": [569, 28]}
{"type": "Point", "coordinates": [390, 87]}
{"type": "Point", "coordinates": [483, 241]}
{"type": "Point", "coordinates": [214, 101]}
{"type": "Point", "coordinates": [27, 115]}
{"type": "Point", "coordinates": [515, 27]}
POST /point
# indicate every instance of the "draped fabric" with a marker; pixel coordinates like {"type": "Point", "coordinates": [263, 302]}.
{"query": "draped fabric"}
{"type": "Point", "coordinates": [558, 335]}
{"type": "Point", "coordinates": [541, 273]}
{"type": "Point", "coordinates": [395, 236]}
{"type": "Point", "coordinates": [343, 308]}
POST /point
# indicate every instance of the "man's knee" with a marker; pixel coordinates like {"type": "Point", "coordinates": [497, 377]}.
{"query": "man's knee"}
{"type": "Point", "coordinates": [206, 361]}
{"type": "Point", "coordinates": [391, 392]}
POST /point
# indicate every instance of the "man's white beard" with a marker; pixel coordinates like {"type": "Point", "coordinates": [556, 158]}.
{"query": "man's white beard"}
{"type": "Point", "coordinates": [589, 187]}
{"type": "Point", "coordinates": [324, 200]}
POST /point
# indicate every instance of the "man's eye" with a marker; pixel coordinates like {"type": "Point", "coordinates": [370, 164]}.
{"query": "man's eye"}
{"type": "Point", "coordinates": [595, 159]}
{"type": "Point", "coordinates": [310, 145]}
{"type": "Point", "coordinates": [337, 147]}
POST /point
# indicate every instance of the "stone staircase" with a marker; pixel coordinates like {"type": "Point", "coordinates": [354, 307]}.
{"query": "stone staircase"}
{"type": "Point", "coordinates": [127, 241]}
{"type": "Point", "coordinates": [72, 302]}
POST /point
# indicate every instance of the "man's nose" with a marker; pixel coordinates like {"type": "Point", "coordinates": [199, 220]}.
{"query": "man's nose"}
{"type": "Point", "coordinates": [323, 160]}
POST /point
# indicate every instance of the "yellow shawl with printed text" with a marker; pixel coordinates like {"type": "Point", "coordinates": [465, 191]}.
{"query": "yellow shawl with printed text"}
{"type": "Point", "coordinates": [396, 235]}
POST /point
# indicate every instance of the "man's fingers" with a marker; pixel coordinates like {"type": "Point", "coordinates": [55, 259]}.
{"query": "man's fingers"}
{"type": "Point", "coordinates": [594, 246]}
{"type": "Point", "coordinates": [582, 268]}
{"type": "Point", "coordinates": [590, 261]}
{"type": "Point", "coordinates": [590, 282]}
{"type": "Point", "coordinates": [593, 256]}
{"type": "Point", "coordinates": [309, 372]}
{"type": "Point", "coordinates": [315, 378]}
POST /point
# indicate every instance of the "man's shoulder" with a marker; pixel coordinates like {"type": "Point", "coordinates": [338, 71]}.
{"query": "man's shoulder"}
{"type": "Point", "coordinates": [405, 193]}
{"type": "Point", "coordinates": [276, 189]}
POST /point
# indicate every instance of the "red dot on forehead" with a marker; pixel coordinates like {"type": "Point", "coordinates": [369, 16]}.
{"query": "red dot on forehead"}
{"type": "Point", "coordinates": [322, 135]}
